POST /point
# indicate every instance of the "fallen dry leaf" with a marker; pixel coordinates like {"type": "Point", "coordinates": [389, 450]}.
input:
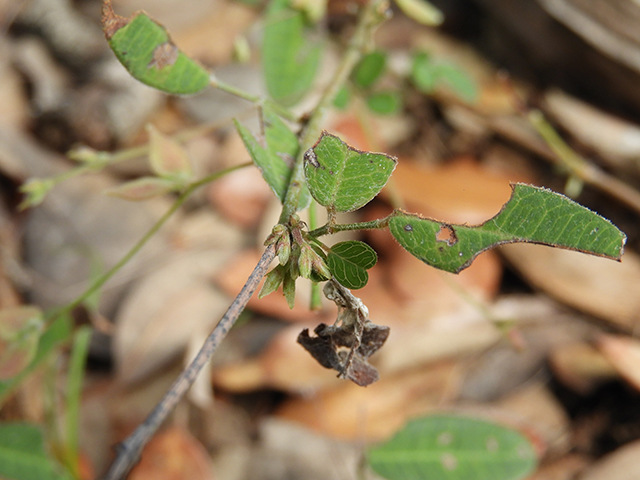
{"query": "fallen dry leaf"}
{"type": "Point", "coordinates": [581, 367]}
{"type": "Point", "coordinates": [622, 464]}
{"type": "Point", "coordinates": [598, 286]}
{"type": "Point", "coordinates": [565, 468]}
{"type": "Point", "coordinates": [159, 316]}
{"type": "Point", "coordinates": [624, 355]}
{"type": "Point", "coordinates": [173, 454]}
{"type": "Point", "coordinates": [377, 411]}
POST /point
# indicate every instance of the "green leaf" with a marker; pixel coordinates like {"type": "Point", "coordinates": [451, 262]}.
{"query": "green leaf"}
{"type": "Point", "coordinates": [369, 69]}
{"type": "Point", "coordinates": [423, 73]}
{"type": "Point", "coordinates": [342, 98]}
{"type": "Point", "coordinates": [290, 59]}
{"type": "Point", "coordinates": [385, 103]}
{"type": "Point", "coordinates": [23, 455]}
{"type": "Point", "coordinates": [349, 262]}
{"type": "Point", "coordinates": [56, 334]}
{"type": "Point", "coordinates": [274, 158]}
{"type": "Point", "coordinates": [343, 178]}
{"type": "Point", "coordinates": [532, 214]}
{"type": "Point", "coordinates": [458, 81]}
{"type": "Point", "coordinates": [146, 51]}
{"type": "Point", "coordinates": [454, 448]}
{"type": "Point", "coordinates": [426, 75]}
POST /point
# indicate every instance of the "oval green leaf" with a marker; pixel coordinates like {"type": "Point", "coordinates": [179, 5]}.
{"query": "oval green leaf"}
{"type": "Point", "coordinates": [369, 69]}
{"type": "Point", "coordinates": [454, 448]}
{"type": "Point", "coordinates": [290, 59]}
{"type": "Point", "coordinates": [145, 49]}
{"type": "Point", "coordinates": [349, 262]}
{"type": "Point", "coordinates": [385, 103]}
{"type": "Point", "coordinates": [343, 178]}
{"type": "Point", "coordinates": [23, 455]}
{"type": "Point", "coordinates": [532, 215]}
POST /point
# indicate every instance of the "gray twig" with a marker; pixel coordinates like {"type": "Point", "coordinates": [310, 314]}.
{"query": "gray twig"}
{"type": "Point", "coordinates": [129, 450]}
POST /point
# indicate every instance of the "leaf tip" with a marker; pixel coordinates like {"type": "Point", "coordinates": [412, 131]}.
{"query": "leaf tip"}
{"type": "Point", "coordinates": [111, 22]}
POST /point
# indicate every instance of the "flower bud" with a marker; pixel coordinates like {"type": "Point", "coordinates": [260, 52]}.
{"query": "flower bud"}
{"type": "Point", "coordinates": [272, 281]}
{"type": "Point", "coordinates": [283, 248]}
{"type": "Point", "coordinates": [289, 290]}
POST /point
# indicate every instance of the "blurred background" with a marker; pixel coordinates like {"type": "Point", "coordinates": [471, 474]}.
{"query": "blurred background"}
{"type": "Point", "coordinates": [537, 338]}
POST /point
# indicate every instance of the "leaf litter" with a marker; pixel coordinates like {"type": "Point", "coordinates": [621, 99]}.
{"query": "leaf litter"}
{"type": "Point", "coordinates": [451, 340]}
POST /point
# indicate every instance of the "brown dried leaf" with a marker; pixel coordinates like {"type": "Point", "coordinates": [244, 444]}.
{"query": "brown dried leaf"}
{"type": "Point", "coordinates": [624, 355]}
{"type": "Point", "coordinates": [600, 287]}
{"type": "Point", "coordinates": [173, 454]}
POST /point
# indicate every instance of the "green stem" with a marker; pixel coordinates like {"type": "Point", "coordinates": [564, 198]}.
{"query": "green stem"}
{"type": "Point", "coordinates": [100, 281]}
{"type": "Point", "coordinates": [256, 99]}
{"type": "Point", "coordinates": [329, 229]}
{"type": "Point", "coordinates": [371, 16]}
{"type": "Point", "coordinates": [74, 391]}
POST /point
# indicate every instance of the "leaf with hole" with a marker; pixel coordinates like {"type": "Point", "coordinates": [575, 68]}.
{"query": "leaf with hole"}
{"type": "Point", "coordinates": [532, 215]}
{"type": "Point", "coordinates": [145, 49]}
{"type": "Point", "coordinates": [343, 178]}
{"type": "Point", "coordinates": [349, 262]}
{"type": "Point", "coordinates": [23, 455]}
{"type": "Point", "coordinates": [290, 58]}
{"type": "Point", "coordinates": [453, 447]}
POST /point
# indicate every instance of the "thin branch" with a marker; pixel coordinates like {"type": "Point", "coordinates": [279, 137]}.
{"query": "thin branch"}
{"type": "Point", "coordinates": [129, 450]}
{"type": "Point", "coordinates": [100, 281]}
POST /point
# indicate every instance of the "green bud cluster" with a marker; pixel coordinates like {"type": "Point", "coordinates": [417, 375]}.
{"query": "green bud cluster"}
{"type": "Point", "coordinates": [297, 258]}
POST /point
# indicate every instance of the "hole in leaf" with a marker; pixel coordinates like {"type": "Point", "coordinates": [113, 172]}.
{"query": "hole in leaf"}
{"type": "Point", "coordinates": [447, 234]}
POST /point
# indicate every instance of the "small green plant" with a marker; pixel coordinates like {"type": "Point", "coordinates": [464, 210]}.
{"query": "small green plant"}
{"type": "Point", "coordinates": [300, 168]}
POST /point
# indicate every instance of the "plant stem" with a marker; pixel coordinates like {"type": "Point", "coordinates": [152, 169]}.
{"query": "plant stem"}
{"type": "Point", "coordinates": [100, 281]}
{"type": "Point", "coordinates": [129, 450]}
{"type": "Point", "coordinates": [329, 229]}
{"type": "Point", "coordinates": [74, 391]}
{"type": "Point", "coordinates": [256, 99]}
{"type": "Point", "coordinates": [370, 17]}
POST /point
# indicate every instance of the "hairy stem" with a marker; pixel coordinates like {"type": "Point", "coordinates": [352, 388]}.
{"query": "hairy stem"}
{"type": "Point", "coordinates": [371, 16]}
{"type": "Point", "coordinates": [329, 228]}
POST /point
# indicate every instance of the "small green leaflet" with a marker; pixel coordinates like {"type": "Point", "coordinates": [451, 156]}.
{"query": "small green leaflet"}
{"type": "Point", "coordinates": [343, 178]}
{"type": "Point", "coordinates": [454, 448]}
{"type": "Point", "coordinates": [23, 455]}
{"type": "Point", "coordinates": [388, 102]}
{"type": "Point", "coordinates": [349, 262]}
{"type": "Point", "coordinates": [532, 215]}
{"type": "Point", "coordinates": [290, 59]}
{"type": "Point", "coordinates": [274, 158]}
{"type": "Point", "coordinates": [369, 69]}
{"type": "Point", "coordinates": [143, 46]}
{"type": "Point", "coordinates": [427, 74]}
